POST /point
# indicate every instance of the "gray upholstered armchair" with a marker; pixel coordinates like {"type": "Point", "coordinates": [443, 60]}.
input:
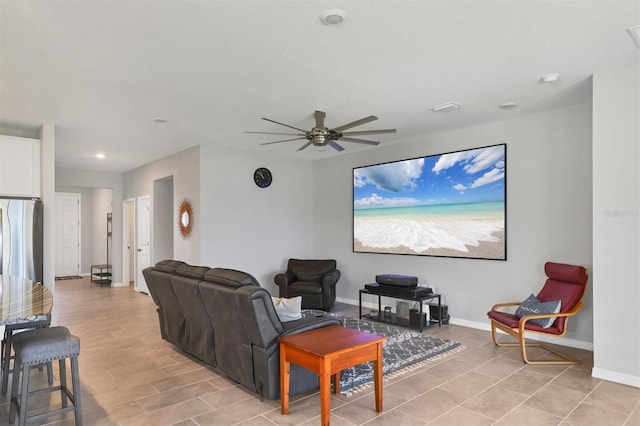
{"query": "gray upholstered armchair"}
{"type": "Point", "coordinates": [314, 280]}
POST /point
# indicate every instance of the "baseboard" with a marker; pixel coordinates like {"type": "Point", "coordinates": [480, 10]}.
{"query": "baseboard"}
{"type": "Point", "coordinates": [614, 376]}
{"type": "Point", "coordinates": [562, 341]}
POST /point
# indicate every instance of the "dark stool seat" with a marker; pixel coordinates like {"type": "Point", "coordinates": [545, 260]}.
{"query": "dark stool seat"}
{"type": "Point", "coordinates": [35, 347]}
{"type": "Point", "coordinates": [6, 347]}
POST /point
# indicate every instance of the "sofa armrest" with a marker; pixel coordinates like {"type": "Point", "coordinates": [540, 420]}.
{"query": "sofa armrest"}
{"type": "Point", "coordinates": [282, 281]}
{"type": "Point", "coordinates": [306, 324]}
{"type": "Point", "coordinates": [330, 279]}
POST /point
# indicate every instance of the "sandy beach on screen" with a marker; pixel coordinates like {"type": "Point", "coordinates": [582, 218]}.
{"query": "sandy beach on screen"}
{"type": "Point", "coordinates": [485, 250]}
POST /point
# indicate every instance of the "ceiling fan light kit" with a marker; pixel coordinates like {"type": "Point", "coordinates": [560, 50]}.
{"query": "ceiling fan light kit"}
{"type": "Point", "coordinates": [320, 136]}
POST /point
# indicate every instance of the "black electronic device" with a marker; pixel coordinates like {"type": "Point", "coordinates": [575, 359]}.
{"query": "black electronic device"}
{"type": "Point", "coordinates": [397, 280]}
{"type": "Point", "coordinates": [439, 313]}
{"type": "Point", "coordinates": [393, 290]}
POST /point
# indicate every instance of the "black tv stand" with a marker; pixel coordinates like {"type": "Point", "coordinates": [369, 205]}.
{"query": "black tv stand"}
{"type": "Point", "coordinates": [394, 318]}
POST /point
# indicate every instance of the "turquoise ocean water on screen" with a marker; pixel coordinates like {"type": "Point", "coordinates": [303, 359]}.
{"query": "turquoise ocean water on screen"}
{"type": "Point", "coordinates": [442, 211]}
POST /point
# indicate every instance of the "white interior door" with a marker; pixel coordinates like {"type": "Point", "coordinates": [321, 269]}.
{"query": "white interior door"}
{"type": "Point", "coordinates": [143, 241]}
{"type": "Point", "coordinates": [128, 241]}
{"type": "Point", "coordinates": [67, 234]}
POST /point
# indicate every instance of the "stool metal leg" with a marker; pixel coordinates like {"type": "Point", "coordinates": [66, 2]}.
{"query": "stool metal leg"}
{"type": "Point", "coordinates": [75, 379]}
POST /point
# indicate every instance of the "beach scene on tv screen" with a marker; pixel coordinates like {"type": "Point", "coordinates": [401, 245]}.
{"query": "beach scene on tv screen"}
{"type": "Point", "coordinates": [450, 204]}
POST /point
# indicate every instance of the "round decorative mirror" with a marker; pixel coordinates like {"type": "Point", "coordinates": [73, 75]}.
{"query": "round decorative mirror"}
{"type": "Point", "coordinates": [185, 218]}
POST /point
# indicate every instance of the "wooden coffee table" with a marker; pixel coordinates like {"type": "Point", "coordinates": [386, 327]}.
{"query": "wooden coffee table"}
{"type": "Point", "coordinates": [327, 351]}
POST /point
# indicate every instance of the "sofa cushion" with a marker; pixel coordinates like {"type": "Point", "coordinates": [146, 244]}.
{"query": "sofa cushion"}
{"type": "Point", "coordinates": [230, 277]}
{"type": "Point", "coordinates": [189, 271]}
{"type": "Point", "coordinates": [288, 309]}
{"type": "Point", "coordinates": [311, 270]}
{"type": "Point", "coordinates": [168, 266]}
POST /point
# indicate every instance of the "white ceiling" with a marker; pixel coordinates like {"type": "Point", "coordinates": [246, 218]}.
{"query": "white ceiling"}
{"type": "Point", "coordinates": [101, 70]}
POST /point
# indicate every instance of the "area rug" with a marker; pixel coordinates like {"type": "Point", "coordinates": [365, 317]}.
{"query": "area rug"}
{"type": "Point", "coordinates": [69, 277]}
{"type": "Point", "coordinates": [404, 350]}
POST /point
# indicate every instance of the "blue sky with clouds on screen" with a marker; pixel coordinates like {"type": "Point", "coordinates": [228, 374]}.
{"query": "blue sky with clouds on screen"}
{"type": "Point", "coordinates": [459, 177]}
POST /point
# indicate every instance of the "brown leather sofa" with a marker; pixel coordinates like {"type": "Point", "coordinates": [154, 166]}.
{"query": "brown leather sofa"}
{"type": "Point", "coordinates": [224, 318]}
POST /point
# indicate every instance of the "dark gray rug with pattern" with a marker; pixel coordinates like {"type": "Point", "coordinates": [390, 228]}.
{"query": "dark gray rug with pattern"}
{"type": "Point", "coordinates": [403, 351]}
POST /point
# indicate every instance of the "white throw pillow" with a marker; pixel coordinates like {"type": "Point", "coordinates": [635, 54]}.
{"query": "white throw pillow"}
{"type": "Point", "coordinates": [288, 309]}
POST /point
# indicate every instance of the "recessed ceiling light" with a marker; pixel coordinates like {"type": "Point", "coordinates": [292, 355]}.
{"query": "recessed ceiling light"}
{"type": "Point", "coordinates": [159, 120]}
{"type": "Point", "coordinates": [508, 105]}
{"type": "Point", "coordinates": [635, 34]}
{"type": "Point", "coordinates": [443, 107]}
{"type": "Point", "coordinates": [551, 78]}
{"type": "Point", "coordinates": [333, 16]}
{"type": "Point", "coordinates": [100, 155]}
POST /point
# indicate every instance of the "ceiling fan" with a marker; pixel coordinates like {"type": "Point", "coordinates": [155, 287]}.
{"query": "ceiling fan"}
{"type": "Point", "coordinates": [321, 136]}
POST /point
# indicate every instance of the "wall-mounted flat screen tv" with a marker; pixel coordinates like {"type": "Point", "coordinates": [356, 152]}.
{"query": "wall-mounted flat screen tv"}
{"type": "Point", "coordinates": [451, 205]}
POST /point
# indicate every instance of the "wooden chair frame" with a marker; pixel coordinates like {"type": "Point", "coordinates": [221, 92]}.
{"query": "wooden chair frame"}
{"type": "Point", "coordinates": [519, 334]}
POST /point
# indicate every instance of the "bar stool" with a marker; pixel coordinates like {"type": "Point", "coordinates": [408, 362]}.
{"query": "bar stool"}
{"type": "Point", "coordinates": [40, 321]}
{"type": "Point", "coordinates": [40, 346]}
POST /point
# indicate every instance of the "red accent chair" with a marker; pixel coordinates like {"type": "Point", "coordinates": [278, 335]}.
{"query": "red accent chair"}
{"type": "Point", "coordinates": [567, 283]}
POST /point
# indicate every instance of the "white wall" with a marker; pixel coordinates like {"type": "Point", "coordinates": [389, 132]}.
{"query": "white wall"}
{"type": "Point", "coordinates": [65, 178]}
{"type": "Point", "coordinates": [616, 230]}
{"type": "Point", "coordinates": [249, 228]}
{"type": "Point", "coordinates": [185, 169]}
{"type": "Point", "coordinates": [548, 216]}
{"type": "Point", "coordinates": [164, 219]}
{"type": "Point", "coordinates": [101, 202]}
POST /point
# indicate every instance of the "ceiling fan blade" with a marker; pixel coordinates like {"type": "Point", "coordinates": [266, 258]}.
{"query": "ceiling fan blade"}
{"type": "Point", "coordinates": [335, 146]}
{"type": "Point", "coordinates": [304, 146]}
{"type": "Point", "coordinates": [285, 140]}
{"type": "Point", "coordinates": [362, 141]}
{"type": "Point", "coordinates": [285, 125]}
{"type": "Point", "coordinates": [369, 132]}
{"type": "Point", "coordinates": [320, 115]}
{"type": "Point", "coordinates": [276, 133]}
{"type": "Point", "coordinates": [360, 122]}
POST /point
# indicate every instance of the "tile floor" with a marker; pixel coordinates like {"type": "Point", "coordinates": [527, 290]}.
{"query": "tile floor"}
{"type": "Point", "coordinates": [131, 377]}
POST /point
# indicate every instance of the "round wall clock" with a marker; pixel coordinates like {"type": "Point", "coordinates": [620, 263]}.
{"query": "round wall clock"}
{"type": "Point", "coordinates": [262, 177]}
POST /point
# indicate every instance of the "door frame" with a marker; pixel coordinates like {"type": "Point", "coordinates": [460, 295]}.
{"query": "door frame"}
{"type": "Point", "coordinates": [137, 271]}
{"type": "Point", "coordinates": [78, 196]}
{"type": "Point", "coordinates": [126, 226]}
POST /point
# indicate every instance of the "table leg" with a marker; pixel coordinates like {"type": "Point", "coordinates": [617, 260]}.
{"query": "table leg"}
{"type": "Point", "coordinates": [284, 381]}
{"type": "Point", "coordinates": [325, 394]}
{"type": "Point", "coordinates": [377, 377]}
{"type": "Point", "coordinates": [336, 383]}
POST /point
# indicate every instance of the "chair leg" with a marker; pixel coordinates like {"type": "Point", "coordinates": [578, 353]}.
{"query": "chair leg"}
{"type": "Point", "coordinates": [562, 359]}
{"type": "Point", "coordinates": [6, 361]}
{"type": "Point", "coordinates": [24, 395]}
{"type": "Point", "coordinates": [75, 379]}
{"type": "Point", "coordinates": [50, 373]}
{"type": "Point", "coordinates": [63, 382]}
{"type": "Point", "coordinates": [14, 395]}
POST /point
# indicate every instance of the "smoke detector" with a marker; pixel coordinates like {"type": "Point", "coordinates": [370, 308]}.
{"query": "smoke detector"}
{"type": "Point", "coordinates": [333, 16]}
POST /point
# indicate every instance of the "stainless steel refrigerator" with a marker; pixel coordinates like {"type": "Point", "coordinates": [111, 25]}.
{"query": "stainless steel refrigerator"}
{"type": "Point", "coordinates": [21, 237]}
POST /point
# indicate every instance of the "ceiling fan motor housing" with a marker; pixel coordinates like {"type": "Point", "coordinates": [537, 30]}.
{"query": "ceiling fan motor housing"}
{"type": "Point", "coordinates": [318, 136]}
